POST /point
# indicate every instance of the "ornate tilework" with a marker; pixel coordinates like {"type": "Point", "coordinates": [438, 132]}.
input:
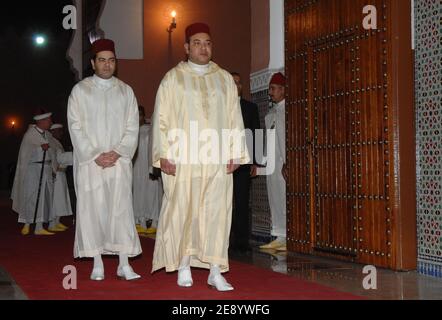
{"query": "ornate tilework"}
{"type": "Point", "coordinates": [259, 204]}
{"type": "Point", "coordinates": [428, 31]}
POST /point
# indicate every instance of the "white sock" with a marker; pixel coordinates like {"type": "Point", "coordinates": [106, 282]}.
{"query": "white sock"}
{"type": "Point", "coordinates": [98, 262]}
{"type": "Point", "coordinates": [215, 270]}
{"type": "Point", "coordinates": [185, 262]}
{"type": "Point", "coordinates": [184, 273]}
{"type": "Point", "coordinates": [281, 239]}
{"type": "Point", "coordinates": [124, 260]}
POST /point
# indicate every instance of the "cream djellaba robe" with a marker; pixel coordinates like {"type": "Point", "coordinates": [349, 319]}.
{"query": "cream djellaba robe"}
{"type": "Point", "coordinates": [196, 211]}
{"type": "Point", "coordinates": [103, 116]}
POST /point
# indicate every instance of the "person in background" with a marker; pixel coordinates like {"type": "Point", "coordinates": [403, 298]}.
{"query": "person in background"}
{"type": "Point", "coordinates": [276, 184]}
{"type": "Point", "coordinates": [61, 202]}
{"type": "Point", "coordinates": [33, 188]}
{"type": "Point", "coordinates": [242, 177]}
{"type": "Point", "coordinates": [147, 189]}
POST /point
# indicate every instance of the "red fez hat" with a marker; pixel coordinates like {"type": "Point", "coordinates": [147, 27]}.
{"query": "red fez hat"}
{"type": "Point", "coordinates": [41, 113]}
{"type": "Point", "coordinates": [196, 28]}
{"type": "Point", "coordinates": [103, 45]}
{"type": "Point", "coordinates": [278, 78]}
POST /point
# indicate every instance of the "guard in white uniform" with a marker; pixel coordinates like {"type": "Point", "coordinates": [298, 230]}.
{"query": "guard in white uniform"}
{"type": "Point", "coordinates": [276, 184]}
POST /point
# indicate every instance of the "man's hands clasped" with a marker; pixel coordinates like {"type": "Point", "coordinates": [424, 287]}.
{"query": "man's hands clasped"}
{"type": "Point", "coordinates": [107, 160]}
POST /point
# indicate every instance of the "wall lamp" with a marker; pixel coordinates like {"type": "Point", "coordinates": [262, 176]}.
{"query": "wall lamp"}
{"type": "Point", "coordinates": [173, 23]}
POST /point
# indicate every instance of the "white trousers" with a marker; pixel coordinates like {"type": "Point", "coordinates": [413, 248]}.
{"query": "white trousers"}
{"type": "Point", "coordinates": [276, 190]}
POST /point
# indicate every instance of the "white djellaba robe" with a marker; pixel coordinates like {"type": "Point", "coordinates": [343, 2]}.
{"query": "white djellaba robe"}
{"type": "Point", "coordinates": [62, 201]}
{"type": "Point", "coordinates": [196, 212]}
{"type": "Point", "coordinates": [27, 178]}
{"type": "Point", "coordinates": [147, 193]}
{"type": "Point", "coordinates": [103, 116]}
{"type": "Point", "coordinates": [276, 184]}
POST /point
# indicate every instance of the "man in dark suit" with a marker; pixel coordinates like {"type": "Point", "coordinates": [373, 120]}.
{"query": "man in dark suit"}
{"type": "Point", "coordinates": [242, 178]}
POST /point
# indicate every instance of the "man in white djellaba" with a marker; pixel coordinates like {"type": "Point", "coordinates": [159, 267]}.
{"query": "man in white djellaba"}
{"type": "Point", "coordinates": [33, 187]}
{"type": "Point", "coordinates": [147, 189]}
{"type": "Point", "coordinates": [103, 124]}
{"type": "Point", "coordinates": [62, 202]}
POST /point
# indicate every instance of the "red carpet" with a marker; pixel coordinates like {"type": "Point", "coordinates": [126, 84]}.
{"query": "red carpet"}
{"type": "Point", "coordinates": [36, 264]}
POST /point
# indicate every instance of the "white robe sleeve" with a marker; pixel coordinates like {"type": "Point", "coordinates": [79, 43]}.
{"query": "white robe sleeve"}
{"type": "Point", "coordinates": [160, 124]}
{"type": "Point", "coordinates": [238, 147]}
{"type": "Point", "coordinates": [83, 148]}
{"type": "Point", "coordinates": [129, 143]}
{"type": "Point", "coordinates": [64, 158]}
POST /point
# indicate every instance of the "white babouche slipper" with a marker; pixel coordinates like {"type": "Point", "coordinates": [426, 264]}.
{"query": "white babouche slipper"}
{"type": "Point", "coordinates": [127, 273]}
{"type": "Point", "coordinates": [185, 278]}
{"type": "Point", "coordinates": [219, 282]}
{"type": "Point", "coordinates": [97, 274]}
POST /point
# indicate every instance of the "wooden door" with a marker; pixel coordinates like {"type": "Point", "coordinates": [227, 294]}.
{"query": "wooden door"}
{"type": "Point", "coordinates": [344, 195]}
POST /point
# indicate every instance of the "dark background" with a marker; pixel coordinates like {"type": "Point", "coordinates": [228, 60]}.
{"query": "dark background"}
{"type": "Point", "coordinates": [31, 76]}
